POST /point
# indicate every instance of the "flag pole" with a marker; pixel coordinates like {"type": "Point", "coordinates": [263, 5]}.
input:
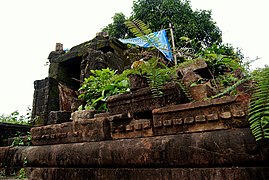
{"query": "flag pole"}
{"type": "Point", "coordinates": [173, 43]}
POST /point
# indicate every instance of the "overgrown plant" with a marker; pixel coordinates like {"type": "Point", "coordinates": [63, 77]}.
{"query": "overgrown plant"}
{"type": "Point", "coordinates": [188, 50]}
{"type": "Point", "coordinates": [156, 72]}
{"type": "Point", "coordinates": [99, 86]}
{"type": "Point", "coordinates": [22, 172]}
{"type": "Point", "coordinates": [259, 105]}
{"type": "Point", "coordinates": [16, 118]}
{"type": "Point", "coordinates": [20, 140]}
{"type": "Point", "coordinates": [231, 88]}
{"type": "Point", "coordinates": [140, 29]}
{"type": "Point", "coordinates": [222, 59]}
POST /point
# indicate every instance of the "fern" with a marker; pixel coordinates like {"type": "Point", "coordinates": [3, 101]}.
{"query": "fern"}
{"type": "Point", "coordinates": [140, 29]}
{"type": "Point", "coordinates": [184, 89]}
{"type": "Point", "coordinates": [157, 73]}
{"type": "Point", "coordinates": [186, 63]}
{"type": "Point", "coordinates": [155, 76]}
{"type": "Point", "coordinates": [259, 105]}
{"type": "Point", "coordinates": [231, 88]}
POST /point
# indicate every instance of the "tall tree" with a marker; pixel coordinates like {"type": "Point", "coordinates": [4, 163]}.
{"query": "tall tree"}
{"type": "Point", "coordinates": [117, 29]}
{"type": "Point", "coordinates": [157, 14]}
{"type": "Point", "coordinates": [186, 22]}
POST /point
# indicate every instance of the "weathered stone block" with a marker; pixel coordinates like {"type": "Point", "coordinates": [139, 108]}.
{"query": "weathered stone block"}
{"type": "Point", "coordinates": [46, 99]}
{"type": "Point", "coordinates": [142, 100]}
{"type": "Point", "coordinates": [53, 134]}
{"type": "Point", "coordinates": [96, 129]}
{"type": "Point", "coordinates": [82, 114]}
{"type": "Point", "coordinates": [9, 165]}
{"type": "Point", "coordinates": [59, 47]}
{"type": "Point", "coordinates": [225, 115]}
{"type": "Point", "coordinates": [189, 120]}
{"type": "Point", "coordinates": [200, 118]}
{"type": "Point", "coordinates": [68, 98]}
{"type": "Point", "coordinates": [125, 126]}
{"type": "Point", "coordinates": [102, 114]}
{"type": "Point", "coordinates": [213, 114]}
{"type": "Point", "coordinates": [137, 82]}
{"type": "Point", "coordinates": [201, 92]}
{"type": "Point", "coordinates": [198, 66]}
{"type": "Point", "coordinates": [190, 77]}
{"type": "Point", "coordinates": [212, 117]}
{"type": "Point", "coordinates": [81, 130]}
{"type": "Point", "coordinates": [58, 117]}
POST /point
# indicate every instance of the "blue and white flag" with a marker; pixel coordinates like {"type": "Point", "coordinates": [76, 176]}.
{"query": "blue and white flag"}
{"type": "Point", "coordinates": [162, 45]}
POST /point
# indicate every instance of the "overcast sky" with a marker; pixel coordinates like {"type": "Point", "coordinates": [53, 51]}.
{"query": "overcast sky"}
{"type": "Point", "coordinates": [31, 28]}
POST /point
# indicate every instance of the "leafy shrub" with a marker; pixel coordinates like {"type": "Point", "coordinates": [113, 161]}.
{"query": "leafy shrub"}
{"type": "Point", "coordinates": [100, 85]}
{"type": "Point", "coordinates": [156, 73]}
{"type": "Point", "coordinates": [222, 59]}
{"type": "Point", "coordinates": [16, 118]}
{"type": "Point", "coordinates": [22, 140]}
{"type": "Point", "coordinates": [21, 174]}
{"type": "Point", "coordinates": [104, 83]}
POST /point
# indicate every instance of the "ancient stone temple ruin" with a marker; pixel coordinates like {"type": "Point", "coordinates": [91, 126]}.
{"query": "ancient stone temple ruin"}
{"type": "Point", "coordinates": [141, 136]}
{"type": "Point", "coordinates": [66, 72]}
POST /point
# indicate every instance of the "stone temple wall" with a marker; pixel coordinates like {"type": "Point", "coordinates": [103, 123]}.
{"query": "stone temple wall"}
{"type": "Point", "coordinates": [68, 70]}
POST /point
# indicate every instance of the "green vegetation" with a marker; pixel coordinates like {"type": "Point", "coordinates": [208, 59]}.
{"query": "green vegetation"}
{"type": "Point", "coordinates": [16, 118]}
{"type": "Point", "coordinates": [117, 29]}
{"type": "Point", "coordinates": [221, 59]}
{"type": "Point", "coordinates": [21, 174]}
{"type": "Point", "coordinates": [140, 29]}
{"type": "Point", "coordinates": [99, 86]}
{"type": "Point", "coordinates": [156, 73]}
{"type": "Point", "coordinates": [226, 67]}
{"type": "Point", "coordinates": [259, 104]}
{"type": "Point", "coordinates": [157, 14]}
{"type": "Point", "coordinates": [22, 140]}
{"type": "Point", "coordinates": [198, 37]}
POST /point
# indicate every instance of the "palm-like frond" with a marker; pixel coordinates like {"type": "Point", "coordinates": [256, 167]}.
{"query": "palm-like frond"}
{"type": "Point", "coordinates": [259, 106]}
{"type": "Point", "coordinates": [231, 88]}
{"type": "Point", "coordinates": [184, 89]}
{"type": "Point", "coordinates": [140, 29]}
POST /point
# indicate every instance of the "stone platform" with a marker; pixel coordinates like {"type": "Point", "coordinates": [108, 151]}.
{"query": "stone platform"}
{"type": "Point", "coordinates": [223, 154]}
{"type": "Point", "coordinates": [199, 140]}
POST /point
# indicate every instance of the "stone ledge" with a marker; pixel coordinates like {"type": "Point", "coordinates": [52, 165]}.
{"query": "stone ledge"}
{"type": "Point", "coordinates": [81, 130]}
{"type": "Point", "coordinates": [231, 147]}
{"type": "Point", "coordinates": [219, 173]}
{"type": "Point", "coordinates": [243, 98]}
{"type": "Point", "coordinates": [210, 115]}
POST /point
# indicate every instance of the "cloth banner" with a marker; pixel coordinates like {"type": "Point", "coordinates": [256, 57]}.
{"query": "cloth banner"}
{"type": "Point", "coordinates": [162, 45]}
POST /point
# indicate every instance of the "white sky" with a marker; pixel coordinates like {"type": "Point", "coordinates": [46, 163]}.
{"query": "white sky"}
{"type": "Point", "coordinates": [30, 29]}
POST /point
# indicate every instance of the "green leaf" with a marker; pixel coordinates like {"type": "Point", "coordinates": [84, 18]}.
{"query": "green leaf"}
{"type": "Point", "coordinates": [259, 106]}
